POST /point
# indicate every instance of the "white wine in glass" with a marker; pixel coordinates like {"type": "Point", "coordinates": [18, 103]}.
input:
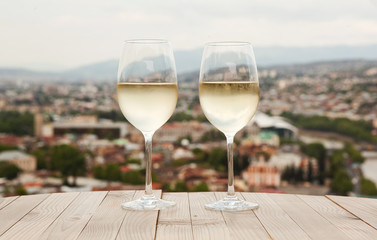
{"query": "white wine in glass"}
{"type": "Point", "coordinates": [147, 95]}
{"type": "Point", "coordinates": [229, 96]}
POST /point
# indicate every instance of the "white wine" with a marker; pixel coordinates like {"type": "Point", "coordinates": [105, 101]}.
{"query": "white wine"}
{"type": "Point", "coordinates": [147, 106]}
{"type": "Point", "coordinates": [229, 106]}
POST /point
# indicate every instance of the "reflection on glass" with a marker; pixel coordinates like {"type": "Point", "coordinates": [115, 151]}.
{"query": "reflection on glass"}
{"type": "Point", "coordinates": [147, 95]}
{"type": "Point", "coordinates": [229, 96]}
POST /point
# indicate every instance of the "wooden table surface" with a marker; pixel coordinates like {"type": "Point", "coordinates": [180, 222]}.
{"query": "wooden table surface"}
{"type": "Point", "coordinates": [98, 215]}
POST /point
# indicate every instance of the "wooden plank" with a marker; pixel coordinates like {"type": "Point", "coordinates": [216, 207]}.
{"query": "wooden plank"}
{"type": "Point", "coordinates": [12, 213]}
{"type": "Point", "coordinates": [316, 226]}
{"type": "Point", "coordinates": [364, 208]}
{"type": "Point", "coordinates": [274, 219]}
{"type": "Point", "coordinates": [352, 226]}
{"type": "Point", "coordinates": [107, 219]}
{"type": "Point", "coordinates": [139, 224]}
{"type": "Point", "coordinates": [5, 201]}
{"type": "Point", "coordinates": [175, 222]}
{"type": "Point", "coordinates": [71, 222]}
{"type": "Point", "coordinates": [33, 224]}
{"type": "Point", "coordinates": [206, 224]}
{"type": "Point", "coordinates": [243, 224]}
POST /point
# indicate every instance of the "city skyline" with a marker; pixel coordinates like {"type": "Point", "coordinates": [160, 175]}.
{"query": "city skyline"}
{"type": "Point", "coordinates": [45, 35]}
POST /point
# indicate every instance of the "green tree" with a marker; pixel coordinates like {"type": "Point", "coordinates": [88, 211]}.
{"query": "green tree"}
{"type": "Point", "coordinates": [200, 155]}
{"type": "Point", "coordinates": [359, 130]}
{"type": "Point", "coordinates": [178, 163]}
{"type": "Point", "coordinates": [133, 177]}
{"type": "Point", "coordinates": [180, 187]}
{"type": "Point", "coordinates": [9, 170]}
{"type": "Point", "coordinates": [166, 187]}
{"type": "Point", "coordinates": [217, 158]}
{"type": "Point", "coordinates": [41, 158]}
{"type": "Point", "coordinates": [155, 178]}
{"type": "Point", "coordinates": [310, 172]}
{"type": "Point", "coordinates": [353, 153]}
{"type": "Point", "coordinates": [368, 187]}
{"type": "Point", "coordinates": [69, 161]}
{"type": "Point", "coordinates": [212, 135]}
{"type": "Point", "coordinates": [337, 161]}
{"type": "Point", "coordinates": [201, 187]}
{"type": "Point", "coordinates": [341, 183]}
{"type": "Point", "coordinates": [112, 172]}
{"type": "Point", "coordinates": [99, 172]}
{"type": "Point", "coordinates": [318, 151]}
{"type": "Point", "coordinates": [293, 174]}
{"type": "Point", "coordinates": [4, 147]}
{"type": "Point", "coordinates": [17, 123]}
{"type": "Point", "coordinates": [288, 173]}
{"type": "Point", "coordinates": [134, 161]}
{"type": "Point", "coordinates": [240, 163]}
{"type": "Point", "coordinates": [20, 191]}
{"type": "Point", "coordinates": [299, 175]}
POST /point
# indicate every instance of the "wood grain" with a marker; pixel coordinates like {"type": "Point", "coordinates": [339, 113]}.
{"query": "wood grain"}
{"type": "Point", "coordinates": [206, 224]}
{"type": "Point", "coordinates": [175, 222]}
{"type": "Point", "coordinates": [107, 219]}
{"type": "Point", "coordinates": [139, 224]}
{"type": "Point", "coordinates": [352, 226]}
{"type": "Point", "coordinates": [364, 208]}
{"type": "Point", "coordinates": [36, 221]}
{"type": "Point", "coordinates": [242, 224]}
{"type": "Point", "coordinates": [316, 226]}
{"type": "Point", "coordinates": [5, 201]}
{"type": "Point", "coordinates": [98, 215]}
{"type": "Point", "coordinates": [274, 219]}
{"type": "Point", "coordinates": [12, 213]}
{"type": "Point", "coordinates": [71, 222]}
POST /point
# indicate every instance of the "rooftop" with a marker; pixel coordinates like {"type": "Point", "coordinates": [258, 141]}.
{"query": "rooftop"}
{"type": "Point", "coordinates": [9, 155]}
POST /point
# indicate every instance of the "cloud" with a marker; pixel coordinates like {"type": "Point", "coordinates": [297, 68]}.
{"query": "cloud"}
{"type": "Point", "coordinates": [139, 17]}
{"type": "Point", "coordinates": [75, 32]}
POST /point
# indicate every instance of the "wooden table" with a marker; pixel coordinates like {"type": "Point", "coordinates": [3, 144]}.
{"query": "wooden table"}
{"type": "Point", "coordinates": [98, 215]}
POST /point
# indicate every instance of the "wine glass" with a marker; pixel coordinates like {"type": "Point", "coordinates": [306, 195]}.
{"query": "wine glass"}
{"type": "Point", "coordinates": [147, 95]}
{"type": "Point", "coordinates": [229, 96]}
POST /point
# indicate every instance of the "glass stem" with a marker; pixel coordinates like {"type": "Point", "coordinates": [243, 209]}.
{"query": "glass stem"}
{"type": "Point", "coordinates": [148, 164]}
{"type": "Point", "coordinates": [229, 143]}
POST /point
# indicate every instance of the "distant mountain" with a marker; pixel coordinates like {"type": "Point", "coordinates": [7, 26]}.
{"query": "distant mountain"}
{"type": "Point", "coordinates": [189, 61]}
{"type": "Point", "coordinates": [185, 61]}
{"type": "Point", "coordinates": [15, 72]}
{"type": "Point", "coordinates": [268, 56]}
{"type": "Point", "coordinates": [323, 67]}
{"type": "Point", "coordinates": [101, 70]}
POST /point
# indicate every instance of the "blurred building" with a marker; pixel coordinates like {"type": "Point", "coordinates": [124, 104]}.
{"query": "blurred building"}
{"type": "Point", "coordinates": [182, 153]}
{"type": "Point", "coordinates": [25, 162]}
{"type": "Point", "coordinates": [84, 125]}
{"type": "Point", "coordinates": [171, 132]}
{"type": "Point", "coordinates": [275, 124]}
{"type": "Point", "coordinates": [269, 138]}
{"type": "Point", "coordinates": [11, 140]}
{"type": "Point", "coordinates": [38, 124]}
{"type": "Point", "coordinates": [261, 175]}
{"type": "Point", "coordinates": [281, 160]}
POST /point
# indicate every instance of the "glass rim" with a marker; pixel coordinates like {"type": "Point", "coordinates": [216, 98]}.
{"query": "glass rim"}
{"type": "Point", "coordinates": [146, 41]}
{"type": "Point", "coordinates": [228, 43]}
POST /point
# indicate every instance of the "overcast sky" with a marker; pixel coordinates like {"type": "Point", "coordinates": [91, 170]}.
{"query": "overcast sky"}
{"type": "Point", "coordinates": [61, 34]}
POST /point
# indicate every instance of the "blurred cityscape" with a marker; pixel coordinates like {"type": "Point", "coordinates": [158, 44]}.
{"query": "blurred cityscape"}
{"type": "Point", "coordinates": [315, 133]}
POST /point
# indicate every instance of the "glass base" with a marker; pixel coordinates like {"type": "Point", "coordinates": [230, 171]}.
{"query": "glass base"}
{"type": "Point", "coordinates": [148, 203]}
{"type": "Point", "coordinates": [231, 203]}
